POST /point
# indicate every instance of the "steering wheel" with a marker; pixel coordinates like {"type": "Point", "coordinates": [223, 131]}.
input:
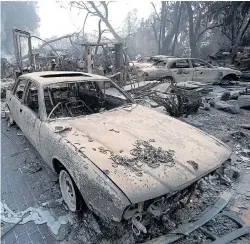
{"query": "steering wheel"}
{"type": "Point", "coordinates": [77, 105]}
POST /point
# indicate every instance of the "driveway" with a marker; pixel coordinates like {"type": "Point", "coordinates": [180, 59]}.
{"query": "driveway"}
{"type": "Point", "coordinates": [26, 182]}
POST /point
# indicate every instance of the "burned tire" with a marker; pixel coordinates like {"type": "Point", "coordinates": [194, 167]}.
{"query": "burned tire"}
{"type": "Point", "coordinates": [70, 193]}
{"type": "Point", "coordinates": [167, 79]}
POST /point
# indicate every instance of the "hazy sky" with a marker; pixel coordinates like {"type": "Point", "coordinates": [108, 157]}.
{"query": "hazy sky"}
{"type": "Point", "coordinates": [57, 21]}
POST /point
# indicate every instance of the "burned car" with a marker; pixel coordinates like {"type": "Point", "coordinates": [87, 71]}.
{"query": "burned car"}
{"type": "Point", "coordinates": [119, 158]}
{"type": "Point", "coordinates": [187, 69]}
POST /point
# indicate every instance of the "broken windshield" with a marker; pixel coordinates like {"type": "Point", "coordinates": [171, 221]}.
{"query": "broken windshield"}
{"type": "Point", "coordinates": [71, 99]}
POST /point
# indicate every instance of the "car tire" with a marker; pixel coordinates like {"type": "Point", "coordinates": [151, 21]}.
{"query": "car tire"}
{"type": "Point", "coordinates": [70, 193]}
{"type": "Point", "coordinates": [11, 120]}
{"type": "Point", "coordinates": [166, 79]}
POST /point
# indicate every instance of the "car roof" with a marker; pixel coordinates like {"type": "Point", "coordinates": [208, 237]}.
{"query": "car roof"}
{"type": "Point", "coordinates": [176, 59]}
{"type": "Point", "coordinates": [54, 77]}
{"type": "Point", "coordinates": [162, 56]}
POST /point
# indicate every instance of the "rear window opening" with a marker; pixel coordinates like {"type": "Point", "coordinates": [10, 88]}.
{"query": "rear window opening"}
{"type": "Point", "coordinates": [65, 75]}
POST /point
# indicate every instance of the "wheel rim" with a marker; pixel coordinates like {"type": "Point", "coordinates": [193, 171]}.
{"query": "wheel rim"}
{"type": "Point", "coordinates": [67, 190]}
{"type": "Point", "coordinates": [166, 80]}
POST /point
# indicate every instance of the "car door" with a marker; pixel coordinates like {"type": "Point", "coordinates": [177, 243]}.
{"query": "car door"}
{"type": "Point", "coordinates": [160, 70]}
{"type": "Point", "coordinates": [15, 101]}
{"type": "Point", "coordinates": [30, 115]}
{"type": "Point", "coordinates": [181, 70]}
{"type": "Point", "coordinates": [204, 72]}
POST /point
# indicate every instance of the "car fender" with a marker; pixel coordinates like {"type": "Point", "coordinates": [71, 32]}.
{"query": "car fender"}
{"type": "Point", "coordinates": [100, 194]}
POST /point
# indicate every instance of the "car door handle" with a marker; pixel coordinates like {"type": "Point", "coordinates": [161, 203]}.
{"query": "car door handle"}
{"type": "Point", "coordinates": [21, 110]}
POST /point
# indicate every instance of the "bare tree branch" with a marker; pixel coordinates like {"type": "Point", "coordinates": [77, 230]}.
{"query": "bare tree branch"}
{"type": "Point", "coordinates": [206, 29]}
{"type": "Point", "coordinates": [105, 20]}
{"type": "Point", "coordinates": [84, 23]}
{"type": "Point", "coordinates": [154, 29]}
{"type": "Point", "coordinates": [158, 16]}
{"type": "Point", "coordinates": [106, 9]}
{"type": "Point", "coordinates": [82, 5]}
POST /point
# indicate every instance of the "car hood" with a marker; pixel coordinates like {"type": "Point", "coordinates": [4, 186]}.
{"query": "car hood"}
{"type": "Point", "coordinates": [118, 129]}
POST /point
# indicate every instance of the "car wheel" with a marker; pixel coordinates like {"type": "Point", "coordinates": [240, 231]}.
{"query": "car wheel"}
{"type": "Point", "coordinates": [70, 193]}
{"type": "Point", "coordinates": [166, 79]}
{"type": "Point", "coordinates": [11, 120]}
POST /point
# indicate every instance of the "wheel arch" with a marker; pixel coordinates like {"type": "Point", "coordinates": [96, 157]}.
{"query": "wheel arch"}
{"type": "Point", "coordinates": [57, 165]}
{"type": "Point", "coordinates": [230, 75]}
{"type": "Point", "coordinates": [94, 203]}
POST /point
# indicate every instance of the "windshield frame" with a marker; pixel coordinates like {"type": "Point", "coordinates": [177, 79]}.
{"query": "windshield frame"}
{"type": "Point", "coordinates": [129, 99]}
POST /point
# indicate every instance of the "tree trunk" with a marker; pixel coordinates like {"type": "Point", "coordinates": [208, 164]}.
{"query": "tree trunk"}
{"type": "Point", "coordinates": [194, 49]}
{"type": "Point", "coordinates": [167, 42]}
{"type": "Point", "coordinates": [192, 38]}
{"type": "Point", "coordinates": [99, 35]}
{"type": "Point", "coordinates": [177, 29]}
{"type": "Point", "coordinates": [239, 38]}
{"type": "Point", "coordinates": [163, 26]}
{"type": "Point", "coordinates": [116, 36]}
{"type": "Point", "coordinates": [106, 22]}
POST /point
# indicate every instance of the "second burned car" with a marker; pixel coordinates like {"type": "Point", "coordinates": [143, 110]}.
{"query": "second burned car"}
{"type": "Point", "coordinates": [119, 158]}
{"type": "Point", "coordinates": [187, 69]}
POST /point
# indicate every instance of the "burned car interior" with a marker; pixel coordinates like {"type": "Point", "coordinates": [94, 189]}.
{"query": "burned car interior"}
{"type": "Point", "coordinates": [71, 99]}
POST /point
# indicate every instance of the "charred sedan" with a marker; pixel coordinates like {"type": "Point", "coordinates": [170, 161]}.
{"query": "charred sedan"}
{"type": "Point", "coordinates": [117, 157]}
{"type": "Point", "coordinates": [187, 69]}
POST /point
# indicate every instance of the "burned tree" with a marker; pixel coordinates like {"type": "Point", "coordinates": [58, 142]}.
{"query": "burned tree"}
{"type": "Point", "coordinates": [99, 10]}
{"type": "Point", "coordinates": [200, 18]}
{"type": "Point", "coordinates": [166, 25]}
{"type": "Point", "coordinates": [236, 23]}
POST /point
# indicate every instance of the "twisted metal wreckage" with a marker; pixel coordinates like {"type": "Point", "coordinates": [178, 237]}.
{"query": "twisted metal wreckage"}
{"type": "Point", "coordinates": [109, 59]}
